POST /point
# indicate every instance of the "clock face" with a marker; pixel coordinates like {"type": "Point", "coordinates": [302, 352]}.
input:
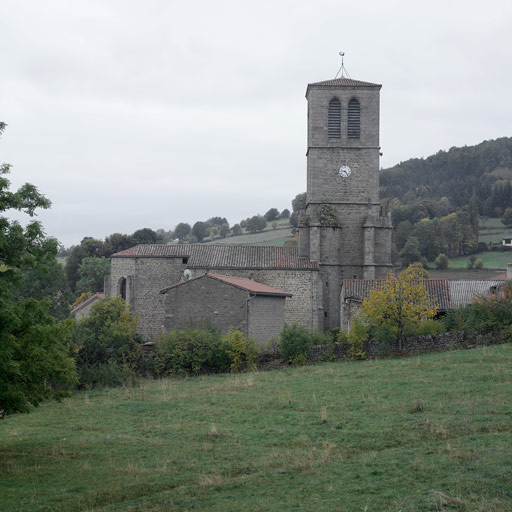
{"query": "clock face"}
{"type": "Point", "coordinates": [345, 171]}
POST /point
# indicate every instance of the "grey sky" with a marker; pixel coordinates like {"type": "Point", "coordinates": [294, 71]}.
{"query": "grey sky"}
{"type": "Point", "coordinates": [145, 114]}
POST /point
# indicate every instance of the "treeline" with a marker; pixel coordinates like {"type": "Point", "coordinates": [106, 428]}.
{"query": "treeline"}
{"type": "Point", "coordinates": [436, 202]}
{"type": "Point", "coordinates": [483, 171]}
{"type": "Point", "coordinates": [88, 263]}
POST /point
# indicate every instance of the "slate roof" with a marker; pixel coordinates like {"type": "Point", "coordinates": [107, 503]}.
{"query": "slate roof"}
{"type": "Point", "coordinates": [463, 292]}
{"type": "Point", "coordinates": [238, 282]}
{"type": "Point", "coordinates": [359, 289]}
{"type": "Point", "coordinates": [211, 256]}
{"type": "Point", "coordinates": [446, 294]}
{"type": "Point", "coordinates": [343, 82]}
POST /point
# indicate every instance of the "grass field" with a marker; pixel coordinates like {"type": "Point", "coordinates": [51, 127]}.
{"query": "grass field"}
{"type": "Point", "coordinates": [493, 230]}
{"type": "Point", "coordinates": [494, 259]}
{"type": "Point", "coordinates": [425, 433]}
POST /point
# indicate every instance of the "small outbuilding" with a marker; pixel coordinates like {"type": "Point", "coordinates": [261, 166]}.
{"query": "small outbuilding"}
{"type": "Point", "coordinates": [225, 302]}
{"type": "Point", "coordinates": [83, 309]}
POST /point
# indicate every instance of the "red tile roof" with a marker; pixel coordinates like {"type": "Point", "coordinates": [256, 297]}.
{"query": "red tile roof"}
{"type": "Point", "coordinates": [211, 256]}
{"type": "Point", "coordinates": [239, 282]}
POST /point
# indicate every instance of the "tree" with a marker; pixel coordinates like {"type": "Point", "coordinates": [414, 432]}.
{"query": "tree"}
{"type": "Point", "coordinates": [146, 236]}
{"type": "Point", "coordinates": [285, 214]}
{"type": "Point", "coordinates": [48, 284]}
{"type": "Point", "coordinates": [224, 230]}
{"type": "Point", "coordinates": [256, 223]}
{"type": "Point", "coordinates": [200, 230]}
{"type": "Point", "coordinates": [34, 360]}
{"type": "Point", "coordinates": [236, 229]}
{"type": "Point", "coordinates": [116, 242]}
{"type": "Point", "coordinates": [299, 202]}
{"type": "Point", "coordinates": [89, 247]}
{"type": "Point", "coordinates": [400, 305]}
{"type": "Point", "coordinates": [107, 341]}
{"type": "Point", "coordinates": [442, 261]}
{"type": "Point", "coordinates": [411, 251]}
{"type": "Point", "coordinates": [217, 221]}
{"type": "Point", "coordinates": [507, 217]}
{"type": "Point", "coordinates": [182, 230]}
{"type": "Point", "coordinates": [92, 274]}
{"type": "Point", "coordinates": [272, 214]}
{"type": "Point", "coordinates": [274, 224]}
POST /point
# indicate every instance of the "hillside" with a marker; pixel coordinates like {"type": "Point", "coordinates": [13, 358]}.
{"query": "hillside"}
{"type": "Point", "coordinates": [485, 169]}
{"type": "Point", "coordinates": [431, 432]}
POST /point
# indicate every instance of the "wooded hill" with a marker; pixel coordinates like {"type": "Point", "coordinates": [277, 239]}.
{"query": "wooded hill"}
{"type": "Point", "coordinates": [484, 170]}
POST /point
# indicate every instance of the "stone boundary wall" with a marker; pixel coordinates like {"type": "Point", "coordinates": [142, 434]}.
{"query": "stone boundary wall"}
{"type": "Point", "coordinates": [412, 345]}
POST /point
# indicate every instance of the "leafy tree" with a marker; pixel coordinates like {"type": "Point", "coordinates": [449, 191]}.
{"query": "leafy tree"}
{"type": "Point", "coordinates": [224, 230]}
{"type": "Point", "coordinates": [294, 219]}
{"type": "Point", "coordinates": [89, 247]}
{"type": "Point", "coordinates": [272, 214]}
{"type": "Point", "coordinates": [299, 202]}
{"type": "Point", "coordinates": [274, 224]}
{"type": "Point", "coordinates": [146, 236]}
{"type": "Point", "coordinates": [479, 263]}
{"type": "Point", "coordinates": [48, 283]}
{"type": "Point", "coordinates": [33, 346]}
{"type": "Point", "coordinates": [116, 242]}
{"type": "Point", "coordinates": [92, 274]}
{"type": "Point", "coordinates": [200, 230]}
{"type": "Point", "coordinates": [442, 262]}
{"type": "Point", "coordinates": [107, 343]}
{"type": "Point", "coordinates": [217, 221]}
{"type": "Point", "coordinates": [256, 223]}
{"type": "Point", "coordinates": [236, 229]}
{"type": "Point", "coordinates": [182, 230]}
{"type": "Point", "coordinates": [243, 223]}
{"type": "Point", "coordinates": [411, 252]}
{"type": "Point", "coordinates": [285, 214]}
{"type": "Point", "coordinates": [507, 217]}
{"type": "Point", "coordinates": [400, 305]}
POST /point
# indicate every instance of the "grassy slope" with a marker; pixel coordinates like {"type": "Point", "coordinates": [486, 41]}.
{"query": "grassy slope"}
{"type": "Point", "coordinates": [413, 434]}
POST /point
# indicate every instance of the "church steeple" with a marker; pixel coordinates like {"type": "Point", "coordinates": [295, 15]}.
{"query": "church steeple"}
{"type": "Point", "coordinates": [342, 227]}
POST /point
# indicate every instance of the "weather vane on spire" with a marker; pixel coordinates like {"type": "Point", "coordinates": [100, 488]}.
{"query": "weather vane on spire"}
{"type": "Point", "coordinates": [344, 72]}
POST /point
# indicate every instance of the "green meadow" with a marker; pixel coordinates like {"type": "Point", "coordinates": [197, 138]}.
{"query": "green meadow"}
{"type": "Point", "coordinates": [420, 433]}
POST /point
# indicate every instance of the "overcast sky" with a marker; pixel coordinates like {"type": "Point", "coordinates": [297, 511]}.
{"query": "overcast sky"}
{"type": "Point", "coordinates": [131, 114]}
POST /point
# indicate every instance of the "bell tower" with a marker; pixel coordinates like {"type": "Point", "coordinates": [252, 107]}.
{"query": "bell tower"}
{"type": "Point", "coordinates": [343, 227]}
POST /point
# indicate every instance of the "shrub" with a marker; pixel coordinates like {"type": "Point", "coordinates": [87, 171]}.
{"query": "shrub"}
{"type": "Point", "coordinates": [356, 336]}
{"type": "Point", "coordinates": [295, 343]}
{"type": "Point", "coordinates": [430, 326]}
{"type": "Point", "coordinates": [191, 351]}
{"type": "Point", "coordinates": [442, 262]}
{"type": "Point", "coordinates": [107, 344]}
{"type": "Point", "coordinates": [242, 351]}
{"type": "Point", "coordinates": [479, 263]}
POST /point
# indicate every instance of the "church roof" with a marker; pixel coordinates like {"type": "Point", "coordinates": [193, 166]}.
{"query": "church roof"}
{"type": "Point", "coordinates": [211, 256]}
{"type": "Point", "coordinates": [238, 282]}
{"type": "Point", "coordinates": [343, 82]}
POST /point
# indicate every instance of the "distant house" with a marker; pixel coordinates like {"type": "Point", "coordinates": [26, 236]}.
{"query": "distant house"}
{"type": "Point", "coordinates": [445, 294]}
{"type": "Point", "coordinates": [507, 242]}
{"type": "Point", "coordinates": [83, 310]}
{"type": "Point", "coordinates": [225, 302]}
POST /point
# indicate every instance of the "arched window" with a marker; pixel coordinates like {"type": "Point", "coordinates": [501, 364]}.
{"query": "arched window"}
{"type": "Point", "coordinates": [334, 123]}
{"type": "Point", "coordinates": [121, 288]}
{"type": "Point", "coordinates": [354, 119]}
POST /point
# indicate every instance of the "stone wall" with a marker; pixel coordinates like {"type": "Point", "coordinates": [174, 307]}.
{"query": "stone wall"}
{"type": "Point", "coordinates": [202, 302]}
{"type": "Point", "coordinates": [266, 317]}
{"type": "Point", "coordinates": [411, 345]}
{"type": "Point", "coordinates": [304, 304]}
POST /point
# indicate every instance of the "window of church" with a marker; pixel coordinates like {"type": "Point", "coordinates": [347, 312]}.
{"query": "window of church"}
{"type": "Point", "coordinates": [354, 119]}
{"type": "Point", "coordinates": [334, 123]}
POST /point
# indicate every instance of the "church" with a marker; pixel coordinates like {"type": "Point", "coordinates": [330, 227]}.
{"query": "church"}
{"type": "Point", "coordinates": [343, 234]}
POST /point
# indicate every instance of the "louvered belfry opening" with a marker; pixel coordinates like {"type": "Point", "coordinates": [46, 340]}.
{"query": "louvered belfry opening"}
{"type": "Point", "coordinates": [354, 119]}
{"type": "Point", "coordinates": [334, 124]}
